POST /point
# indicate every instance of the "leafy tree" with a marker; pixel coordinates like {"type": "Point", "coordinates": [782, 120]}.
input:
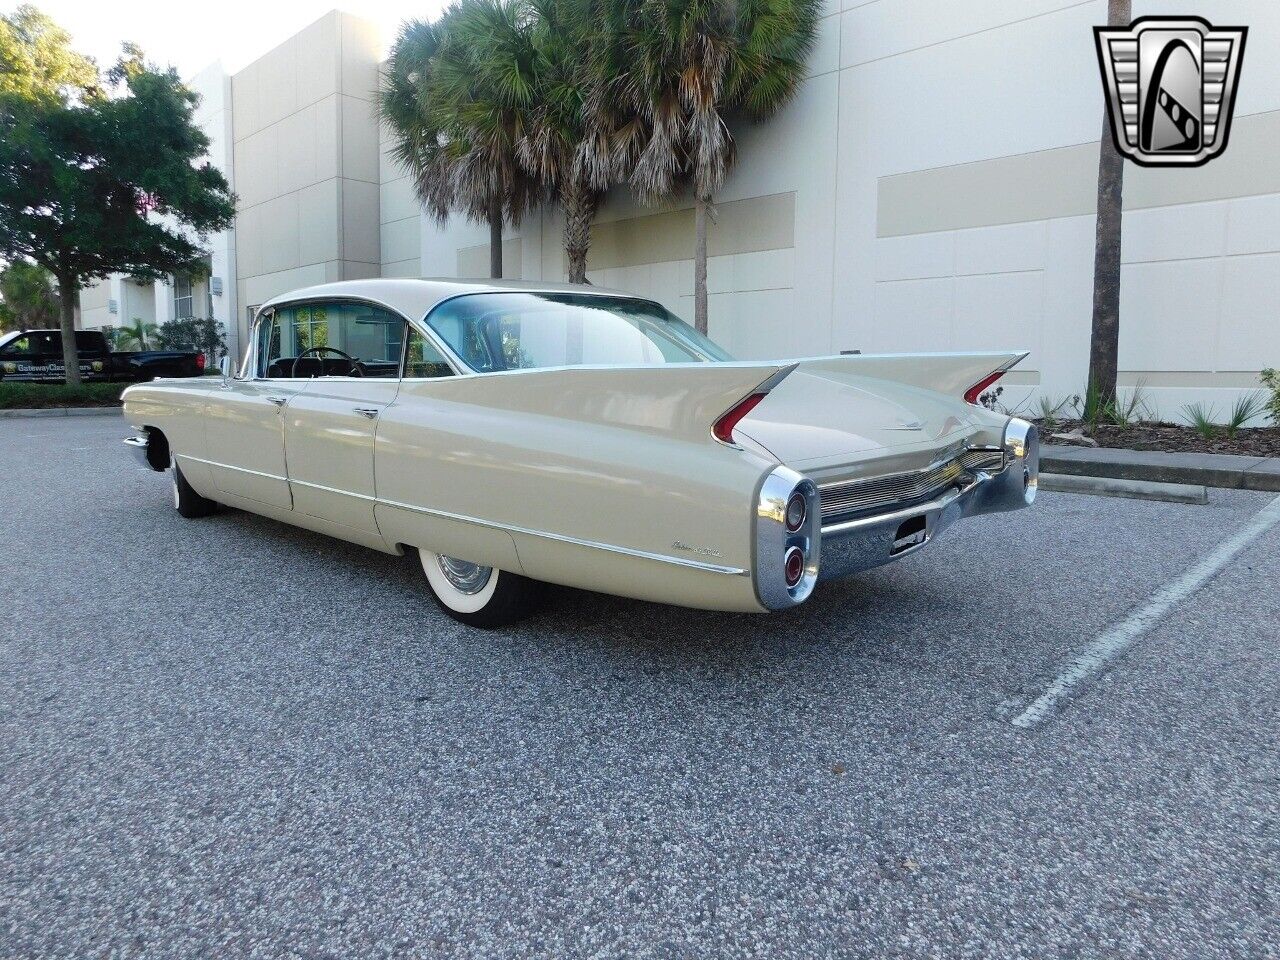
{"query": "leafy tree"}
{"type": "Point", "coordinates": [682, 69]}
{"type": "Point", "coordinates": [36, 60]}
{"type": "Point", "coordinates": [83, 170]}
{"type": "Point", "coordinates": [1104, 343]}
{"type": "Point", "coordinates": [136, 333]}
{"type": "Point", "coordinates": [28, 295]}
{"type": "Point", "coordinates": [455, 97]}
{"type": "Point", "coordinates": [194, 333]}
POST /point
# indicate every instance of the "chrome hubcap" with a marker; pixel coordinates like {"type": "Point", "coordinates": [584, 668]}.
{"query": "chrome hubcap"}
{"type": "Point", "coordinates": [464, 577]}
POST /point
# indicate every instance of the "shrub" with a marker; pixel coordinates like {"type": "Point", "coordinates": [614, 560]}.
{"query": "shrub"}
{"type": "Point", "coordinates": [1245, 408]}
{"type": "Point", "coordinates": [16, 396]}
{"type": "Point", "coordinates": [1270, 378]}
{"type": "Point", "coordinates": [194, 333]}
{"type": "Point", "coordinates": [1201, 419]}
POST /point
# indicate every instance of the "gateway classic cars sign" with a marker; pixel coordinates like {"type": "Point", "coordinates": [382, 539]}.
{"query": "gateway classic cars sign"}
{"type": "Point", "coordinates": [1171, 88]}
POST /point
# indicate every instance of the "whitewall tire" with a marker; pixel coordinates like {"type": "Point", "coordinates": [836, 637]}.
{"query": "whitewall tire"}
{"type": "Point", "coordinates": [476, 595]}
{"type": "Point", "coordinates": [186, 501]}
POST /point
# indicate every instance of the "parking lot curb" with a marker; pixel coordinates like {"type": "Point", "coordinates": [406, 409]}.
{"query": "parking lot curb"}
{"type": "Point", "coordinates": [19, 414]}
{"type": "Point", "coordinates": [1132, 489]}
{"type": "Point", "coordinates": [1205, 469]}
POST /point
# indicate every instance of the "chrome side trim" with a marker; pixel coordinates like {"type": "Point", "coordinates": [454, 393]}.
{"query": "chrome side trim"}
{"type": "Point", "coordinates": [510, 528]}
{"type": "Point", "coordinates": [227, 466]}
{"type": "Point", "coordinates": [576, 541]}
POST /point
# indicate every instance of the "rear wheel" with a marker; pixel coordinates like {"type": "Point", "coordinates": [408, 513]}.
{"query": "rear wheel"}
{"type": "Point", "coordinates": [476, 595]}
{"type": "Point", "coordinates": [186, 501]}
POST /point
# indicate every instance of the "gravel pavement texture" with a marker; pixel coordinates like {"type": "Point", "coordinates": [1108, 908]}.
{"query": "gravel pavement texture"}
{"type": "Point", "coordinates": [229, 737]}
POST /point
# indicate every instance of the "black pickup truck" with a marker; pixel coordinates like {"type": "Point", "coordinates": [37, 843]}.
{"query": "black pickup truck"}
{"type": "Point", "coordinates": [37, 355]}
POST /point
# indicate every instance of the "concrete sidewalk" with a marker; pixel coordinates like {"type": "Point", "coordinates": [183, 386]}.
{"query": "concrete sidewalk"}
{"type": "Point", "coordinates": [1208, 469]}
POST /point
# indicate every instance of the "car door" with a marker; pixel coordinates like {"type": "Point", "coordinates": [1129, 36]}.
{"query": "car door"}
{"type": "Point", "coordinates": [244, 425]}
{"type": "Point", "coordinates": [330, 427]}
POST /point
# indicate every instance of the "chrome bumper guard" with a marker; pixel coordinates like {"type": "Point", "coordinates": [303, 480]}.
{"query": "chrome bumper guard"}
{"type": "Point", "coordinates": [850, 546]}
{"type": "Point", "coordinates": [139, 446]}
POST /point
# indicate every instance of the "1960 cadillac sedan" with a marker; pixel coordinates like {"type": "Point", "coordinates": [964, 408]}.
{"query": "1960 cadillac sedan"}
{"type": "Point", "coordinates": [515, 434]}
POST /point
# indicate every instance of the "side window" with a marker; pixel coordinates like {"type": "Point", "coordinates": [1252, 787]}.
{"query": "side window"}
{"type": "Point", "coordinates": [271, 346]}
{"type": "Point", "coordinates": [335, 339]}
{"type": "Point", "coordinates": [422, 360]}
{"type": "Point", "coordinates": [19, 348]}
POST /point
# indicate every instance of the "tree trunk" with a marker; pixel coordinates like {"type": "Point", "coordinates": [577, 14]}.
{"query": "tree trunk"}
{"type": "Point", "coordinates": [67, 290]}
{"type": "Point", "coordinates": [1104, 344]}
{"type": "Point", "coordinates": [700, 263]}
{"type": "Point", "coordinates": [579, 209]}
{"type": "Point", "coordinates": [495, 241]}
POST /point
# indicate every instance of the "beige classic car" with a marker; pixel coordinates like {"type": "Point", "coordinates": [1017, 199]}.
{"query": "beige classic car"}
{"type": "Point", "coordinates": [517, 434]}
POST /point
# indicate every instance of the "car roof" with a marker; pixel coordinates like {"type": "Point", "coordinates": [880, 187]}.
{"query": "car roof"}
{"type": "Point", "coordinates": [416, 298]}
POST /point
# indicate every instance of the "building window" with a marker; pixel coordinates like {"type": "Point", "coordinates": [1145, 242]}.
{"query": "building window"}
{"type": "Point", "coordinates": [183, 301]}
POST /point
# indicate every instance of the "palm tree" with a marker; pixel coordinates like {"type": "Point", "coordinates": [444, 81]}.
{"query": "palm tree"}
{"type": "Point", "coordinates": [456, 95]}
{"type": "Point", "coordinates": [682, 69]}
{"type": "Point", "coordinates": [565, 144]}
{"type": "Point", "coordinates": [137, 332]}
{"type": "Point", "coordinates": [1104, 344]}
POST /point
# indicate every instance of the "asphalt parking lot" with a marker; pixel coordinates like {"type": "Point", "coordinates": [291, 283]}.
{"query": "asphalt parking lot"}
{"type": "Point", "coordinates": [229, 737]}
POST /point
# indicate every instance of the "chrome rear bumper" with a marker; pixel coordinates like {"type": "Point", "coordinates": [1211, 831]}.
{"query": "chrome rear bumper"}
{"type": "Point", "coordinates": [850, 546]}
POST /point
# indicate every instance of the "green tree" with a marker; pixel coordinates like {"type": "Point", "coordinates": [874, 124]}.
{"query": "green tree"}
{"type": "Point", "coordinates": [1104, 342]}
{"type": "Point", "coordinates": [455, 98]}
{"type": "Point", "coordinates": [36, 59]}
{"type": "Point", "coordinates": [566, 142]}
{"type": "Point", "coordinates": [682, 69]}
{"type": "Point", "coordinates": [101, 181]}
{"type": "Point", "coordinates": [27, 292]}
{"type": "Point", "coordinates": [136, 334]}
{"type": "Point", "coordinates": [194, 333]}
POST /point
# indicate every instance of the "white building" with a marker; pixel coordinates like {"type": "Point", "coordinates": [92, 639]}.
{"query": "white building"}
{"type": "Point", "coordinates": [932, 187]}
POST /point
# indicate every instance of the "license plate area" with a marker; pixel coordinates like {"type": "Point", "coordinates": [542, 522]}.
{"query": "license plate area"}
{"type": "Point", "coordinates": [911, 534]}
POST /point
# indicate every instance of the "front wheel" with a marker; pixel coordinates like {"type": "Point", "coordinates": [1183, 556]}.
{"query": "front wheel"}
{"type": "Point", "coordinates": [186, 501]}
{"type": "Point", "coordinates": [478, 596]}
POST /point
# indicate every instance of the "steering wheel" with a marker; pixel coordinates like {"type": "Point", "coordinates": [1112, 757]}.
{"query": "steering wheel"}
{"type": "Point", "coordinates": [357, 368]}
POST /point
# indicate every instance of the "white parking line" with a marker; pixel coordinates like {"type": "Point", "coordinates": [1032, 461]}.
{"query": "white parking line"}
{"type": "Point", "coordinates": [1094, 659]}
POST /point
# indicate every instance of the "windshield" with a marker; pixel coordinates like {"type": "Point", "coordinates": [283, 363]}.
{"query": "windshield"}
{"type": "Point", "coordinates": [527, 331]}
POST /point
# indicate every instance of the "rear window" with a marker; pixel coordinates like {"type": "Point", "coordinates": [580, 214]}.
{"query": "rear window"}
{"type": "Point", "coordinates": [530, 331]}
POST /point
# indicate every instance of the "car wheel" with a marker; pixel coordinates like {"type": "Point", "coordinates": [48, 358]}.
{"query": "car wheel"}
{"type": "Point", "coordinates": [478, 596]}
{"type": "Point", "coordinates": [186, 501]}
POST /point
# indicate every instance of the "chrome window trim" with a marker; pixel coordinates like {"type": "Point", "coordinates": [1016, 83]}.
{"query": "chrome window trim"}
{"type": "Point", "coordinates": [587, 292]}
{"type": "Point", "coordinates": [510, 528]}
{"type": "Point", "coordinates": [269, 309]}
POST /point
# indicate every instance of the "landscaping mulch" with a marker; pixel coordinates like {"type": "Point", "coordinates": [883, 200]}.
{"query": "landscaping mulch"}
{"type": "Point", "coordinates": [1171, 438]}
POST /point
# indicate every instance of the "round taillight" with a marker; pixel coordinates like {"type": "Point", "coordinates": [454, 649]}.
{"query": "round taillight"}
{"type": "Point", "coordinates": [797, 510]}
{"type": "Point", "coordinates": [793, 566]}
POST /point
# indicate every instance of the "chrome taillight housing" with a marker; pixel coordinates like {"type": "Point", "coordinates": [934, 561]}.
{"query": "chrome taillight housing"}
{"type": "Point", "coordinates": [797, 511]}
{"type": "Point", "coordinates": [788, 539]}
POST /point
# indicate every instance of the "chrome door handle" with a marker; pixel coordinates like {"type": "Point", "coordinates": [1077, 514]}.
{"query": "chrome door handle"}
{"type": "Point", "coordinates": [369, 412]}
{"type": "Point", "coordinates": [278, 401]}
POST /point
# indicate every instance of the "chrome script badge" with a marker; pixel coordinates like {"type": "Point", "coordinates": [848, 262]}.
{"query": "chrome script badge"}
{"type": "Point", "coordinates": [1171, 86]}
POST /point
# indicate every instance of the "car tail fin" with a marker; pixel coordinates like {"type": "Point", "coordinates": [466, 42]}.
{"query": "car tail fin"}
{"type": "Point", "coordinates": [959, 374]}
{"type": "Point", "coordinates": [688, 400]}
